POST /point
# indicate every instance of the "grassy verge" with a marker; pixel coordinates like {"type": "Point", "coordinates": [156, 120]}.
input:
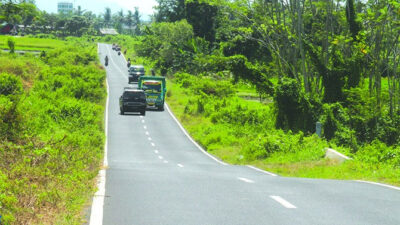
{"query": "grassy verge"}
{"type": "Point", "coordinates": [243, 132]}
{"type": "Point", "coordinates": [32, 44]}
{"type": "Point", "coordinates": [51, 134]}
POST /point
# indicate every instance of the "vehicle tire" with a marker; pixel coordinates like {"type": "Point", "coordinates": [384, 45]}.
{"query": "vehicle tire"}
{"type": "Point", "coordinates": [122, 112]}
{"type": "Point", "coordinates": [161, 108]}
{"type": "Point", "coordinates": [143, 113]}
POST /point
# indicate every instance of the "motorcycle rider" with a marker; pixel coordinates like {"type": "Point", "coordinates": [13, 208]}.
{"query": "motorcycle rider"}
{"type": "Point", "coordinates": [129, 62]}
{"type": "Point", "coordinates": [106, 60]}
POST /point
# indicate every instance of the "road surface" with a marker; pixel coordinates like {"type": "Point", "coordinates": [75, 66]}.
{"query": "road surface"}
{"type": "Point", "coordinates": [157, 175]}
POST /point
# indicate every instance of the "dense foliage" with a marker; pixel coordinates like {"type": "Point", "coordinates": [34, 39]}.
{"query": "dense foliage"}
{"type": "Point", "coordinates": [51, 134]}
{"type": "Point", "coordinates": [319, 60]}
{"type": "Point", "coordinates": [335, 62]}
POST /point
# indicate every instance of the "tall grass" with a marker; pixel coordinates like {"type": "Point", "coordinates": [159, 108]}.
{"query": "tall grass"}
{"type": "Point", "coordinates": [52, 140]}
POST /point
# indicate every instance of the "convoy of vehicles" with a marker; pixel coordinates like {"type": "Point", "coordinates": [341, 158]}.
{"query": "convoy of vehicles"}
{"type": "Point", "coordinates": [135, 72]}
{"type": "Point", "coordinates": [155, 89]}
{"type": "Point", "coordinates": [132, 100]}
{"type": "Point", "coordinates": [149, 92]}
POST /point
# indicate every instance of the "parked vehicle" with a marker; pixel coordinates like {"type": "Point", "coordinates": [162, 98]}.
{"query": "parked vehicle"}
{"type": "Point", "coordinates": [155, 89]}
{"type": "Point", "coordinates": [135, 71]}
{"type": "Point", "coordinates": [133, 100]}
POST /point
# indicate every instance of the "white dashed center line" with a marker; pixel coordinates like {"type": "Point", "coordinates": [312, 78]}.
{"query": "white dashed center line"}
{"type": "Point", "coordinates": [152, 144]}
{"type": "Point", "coordinates": [165, 161]}
{"type": "Point", "coordinates": [160, 157]}
{"type": "Point", "coordinates": [149, 138]}
{"type": "Point", "coordinates": [245, 180]}
{"type": "Point", "coordinates": [156, 151]}
{"type": "Point", "coordinates": [142, 121]}
{"type": "Point", "coordinates": [283, 202]}
{"type": "Point", "coordinates": [145, 127]}
{"type": "Point", "coordinates": [180, 165]}
{"type": "Point", "coordinates": [147, 133]}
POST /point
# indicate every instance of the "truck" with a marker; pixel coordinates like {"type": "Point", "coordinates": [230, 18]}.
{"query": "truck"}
{"type": "Point", "coordinates": [155, 88]}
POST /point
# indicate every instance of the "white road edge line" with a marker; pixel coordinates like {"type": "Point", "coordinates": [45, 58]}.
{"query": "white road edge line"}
{"type": "Point", "coordinates": [262, 171]}
{"type": "Point", "coordinates": [180, 165]}
{"type": "Point", "coordinates": [283, 202]}
{"type": "Point", "coordinates": [96, 214]}
{"type": "Point", "coordinates": [245, 180]}
{"type": "Point", "coordinates": [191, 139]}
{"type": "Point", "coordinates": [379, 184]}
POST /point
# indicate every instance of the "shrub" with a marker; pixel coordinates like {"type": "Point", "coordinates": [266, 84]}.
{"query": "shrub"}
{"type": "Point", "coordinates": [11, 44]}
{"type": "Point", "coordinates": [295, 111]}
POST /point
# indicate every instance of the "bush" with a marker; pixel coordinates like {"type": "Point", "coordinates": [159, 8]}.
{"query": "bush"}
{"type": "Point", "coordinates": [295, 111]}
{"type": "Point", "coordinates": [11, 44]}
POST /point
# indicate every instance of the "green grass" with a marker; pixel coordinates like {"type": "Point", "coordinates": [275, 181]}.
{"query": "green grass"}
{"type": "Point", "coordinates": [32, 44]}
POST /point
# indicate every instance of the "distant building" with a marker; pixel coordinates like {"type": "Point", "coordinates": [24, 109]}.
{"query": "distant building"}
{"type": "Point", "coordinates": [65, 7]}
{"type": "Point", "coordinates": [108, 31]}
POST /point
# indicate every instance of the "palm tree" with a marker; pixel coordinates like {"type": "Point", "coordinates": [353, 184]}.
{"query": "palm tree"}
{"type": "Point", "coordinates": [107, 17]}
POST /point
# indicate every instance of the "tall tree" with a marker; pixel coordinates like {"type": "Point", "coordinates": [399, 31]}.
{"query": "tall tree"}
{"type": "Point", "coordinates": [107, 17]}
{"type": "Point", "coordinates": [170, 10]}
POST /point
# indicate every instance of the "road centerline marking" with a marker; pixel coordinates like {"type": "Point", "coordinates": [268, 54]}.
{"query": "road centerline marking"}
{"type": "Point", "coordinates": [152, 144]}
{"type": "Point", "coordinates": [145, 127]}
{"type": "Point", "coordinates": [156, 151]}
{"type": "Point", "coordinates": [283, 202]}
{"type": "Point", "coordinates": [160, 157]}
{"type": "Point", "coordinates": [147, 133]}
{"type": "Point", "coordinates": [245, 180]}
{"type": "Point", "coordinates": [149, 138]}
{"type": "Point", "coordinates": [180, 165]}
{"type": "Point", "coordinates": [143, 121]}
{"type": "Point", "coordinates": [165, 161]}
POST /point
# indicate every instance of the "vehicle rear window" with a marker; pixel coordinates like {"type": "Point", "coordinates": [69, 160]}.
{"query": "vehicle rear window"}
{"type": "Point", "coordinates": [134, 95]}
{"type": "Point", "coordinates": [136, 69]}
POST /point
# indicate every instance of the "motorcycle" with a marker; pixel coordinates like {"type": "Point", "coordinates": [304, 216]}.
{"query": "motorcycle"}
{"type": "Point", "coordinates": [119, 53]}
{"type": "Point", "coordinates": [106, 61]}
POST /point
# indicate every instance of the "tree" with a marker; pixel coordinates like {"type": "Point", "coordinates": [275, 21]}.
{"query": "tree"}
{"type": "Point", "coordinates": [170, 10]}
{"type": "Point", "coordinates": [28, 13]}
{"type": "Point", "coordinates": [202, 17]}
{"type": "Point", "coordinates": [136, 21]}
{"type": "Point", "coordinates": [107, 17]}
{"type": "Point", "coordinates": [76, 25]}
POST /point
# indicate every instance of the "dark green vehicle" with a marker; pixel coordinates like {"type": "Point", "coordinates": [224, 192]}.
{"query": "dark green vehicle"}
{"type": "Point", "coordinates": [133, 100]}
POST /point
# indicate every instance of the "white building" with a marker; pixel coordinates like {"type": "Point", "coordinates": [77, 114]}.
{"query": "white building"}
{"type": "Point", "coordinates": [65, 7]}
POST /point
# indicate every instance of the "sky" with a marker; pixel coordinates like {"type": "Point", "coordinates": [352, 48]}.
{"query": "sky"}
{"type": "Point", "coordinates": [98, 6]}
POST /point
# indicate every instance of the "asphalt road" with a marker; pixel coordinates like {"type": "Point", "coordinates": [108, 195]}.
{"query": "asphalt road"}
{"type": "Point", "coordinates": [156, 175]}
